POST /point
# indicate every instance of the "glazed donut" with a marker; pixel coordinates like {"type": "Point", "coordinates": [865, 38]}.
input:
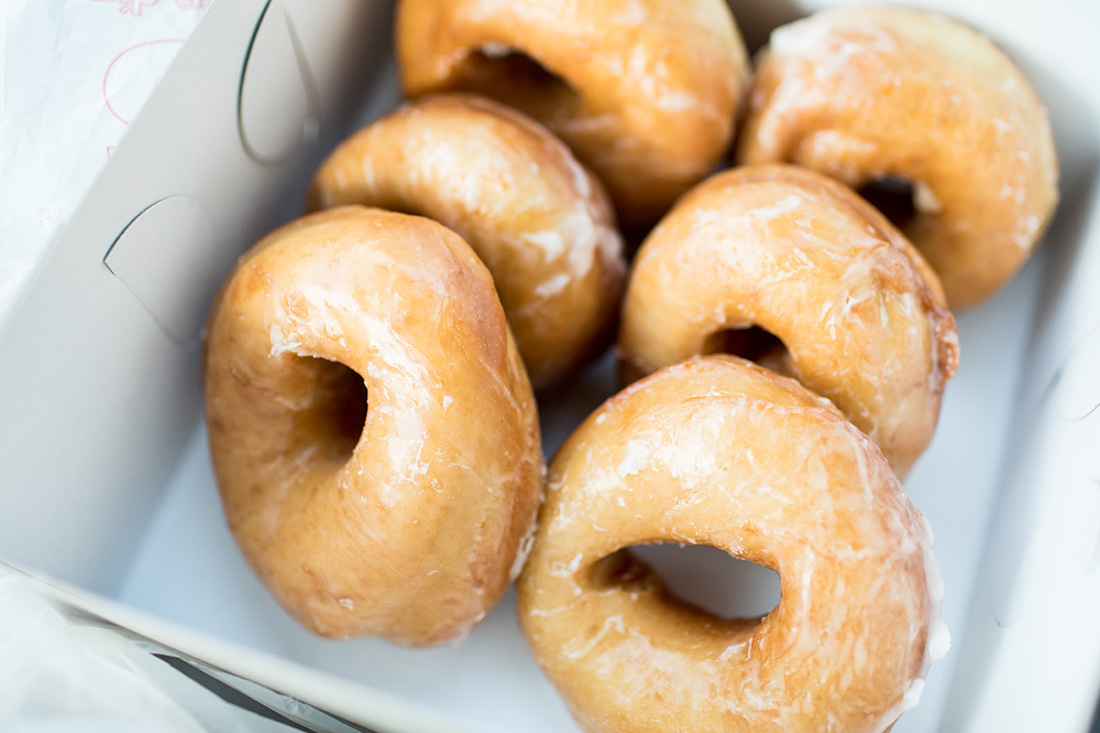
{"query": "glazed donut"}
{"type": "Point", "coordinates": [539, 221]}
{"type": "Point", "coordinates": [719, 451]}
{"type": "Point", "coordinates": [880, 94]}
{"type": "Point", "coordinates": [856, 314]}
{"type": "Point", "coordinates": [645, 92]}
{"type": "Point", "coordinates": [406, 525]}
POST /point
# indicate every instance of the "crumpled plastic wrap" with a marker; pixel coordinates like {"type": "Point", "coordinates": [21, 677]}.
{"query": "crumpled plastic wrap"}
{"type": "Point", "coordinates": [73, 75]}
{"type": "Point", "coordinates": [59, 676]}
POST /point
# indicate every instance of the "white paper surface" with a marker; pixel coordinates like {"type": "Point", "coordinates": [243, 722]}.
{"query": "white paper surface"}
{"type": "Point", "coordinates": [73, 75]}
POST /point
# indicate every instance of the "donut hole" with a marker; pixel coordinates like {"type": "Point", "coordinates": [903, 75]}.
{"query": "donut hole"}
{"type": "Point", "coordinates": [752, 343]}
{"type": "Point", "coordinates": [894, 197]}
{"type": "Point", "coordinates": [514, 78]}
{"type": "Point", "coordinates": [337, 410]}
{"type": "Point", "coordinates": [706, 578]}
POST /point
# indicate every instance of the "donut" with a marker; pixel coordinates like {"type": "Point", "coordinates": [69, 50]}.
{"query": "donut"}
{"type": "Point", "coordinates": [718, 451]}
{"type": "Point", "coordinates": [645, 92]}
{"type": "Point", "coordinates": [539, 221]}
{"type": "Point", "coordinates": [406, 522]}
{"type": "Point", "coordinates": [898, 96]}
{"type": "Point", "coordinates": [794, 270]}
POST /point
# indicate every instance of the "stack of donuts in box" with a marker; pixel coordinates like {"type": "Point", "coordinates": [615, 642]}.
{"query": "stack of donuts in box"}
{"type": "Point", "coordinates": [783, 346]}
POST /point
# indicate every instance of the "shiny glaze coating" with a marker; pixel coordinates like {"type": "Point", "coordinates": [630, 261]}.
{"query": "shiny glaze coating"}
{"type": "Point", "coordinates": [719, 451]}
{"type": "Point", "coordinates": [645, 92]}
{"type": "Point", "coordinates": [858, 312]}
{"type": "Point", "coordinates": [873, 93]}
{"type": "Point", "coordinates": [409, 528]}
{"type": "Point", "coordinates": [539, 221]}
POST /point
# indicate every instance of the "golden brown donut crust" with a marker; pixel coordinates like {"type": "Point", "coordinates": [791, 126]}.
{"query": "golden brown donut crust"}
{"type": "Point", "coordinates": [646, 91]}
{"type": "Point", "coordinates": [412, 530]}
{"type": "Point", "coordinates": [539, 221]}
{"type": "Point", "coordinates": [718, 451]}
{"type": "Point", "coordinates": [867, 93]}
{"type": "Point", "coordinates": [806, 259]}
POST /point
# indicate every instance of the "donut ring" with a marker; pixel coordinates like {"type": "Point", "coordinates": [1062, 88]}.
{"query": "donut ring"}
{"type": "Point", "coordinates": [877, 93]}
{"type": "Point", "coordinates": [645, 92]}
{"type": "Point", "coordinates": [857, 311]}
{"type": "Point", "coordinates": [721, 452]}
{"type": "Point", "coordinates": [539, 221]}
{"type": "Point", "coordinates": [410, 530]}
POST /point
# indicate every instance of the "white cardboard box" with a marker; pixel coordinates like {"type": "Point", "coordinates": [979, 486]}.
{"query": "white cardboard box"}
{"type": "Point", "coordinates": [105, 483]}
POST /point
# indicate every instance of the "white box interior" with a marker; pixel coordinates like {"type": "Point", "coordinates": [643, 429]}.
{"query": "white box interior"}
{"type": "Point", "coordinates": [107, 484]}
